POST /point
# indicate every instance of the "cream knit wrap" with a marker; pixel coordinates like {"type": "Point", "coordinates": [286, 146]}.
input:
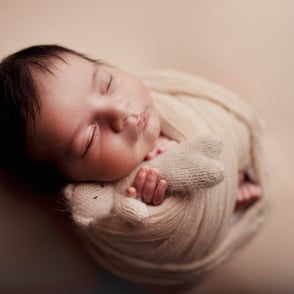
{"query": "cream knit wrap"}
{"type": "Point", "coordinates": [187, 236]}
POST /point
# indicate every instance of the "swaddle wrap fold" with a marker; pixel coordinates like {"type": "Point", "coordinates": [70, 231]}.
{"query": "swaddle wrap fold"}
{"type": "Point", "coordinates": [191, 232]}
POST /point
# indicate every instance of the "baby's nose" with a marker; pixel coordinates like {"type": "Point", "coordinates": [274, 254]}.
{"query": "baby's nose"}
{"type": "Point", "coordinates": [117, 115]}
{"type": "Point", "coordinates": [117, 124]}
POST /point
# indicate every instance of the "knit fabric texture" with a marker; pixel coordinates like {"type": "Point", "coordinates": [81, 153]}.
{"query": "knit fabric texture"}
{"type": "Point", "coordinates": [191, 233]}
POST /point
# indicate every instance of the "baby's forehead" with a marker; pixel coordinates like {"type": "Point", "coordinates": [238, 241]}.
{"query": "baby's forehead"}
{"type": "Point", "coordinates": [45, 76]}
{"type": "Point", "coordinates": [67, 69]}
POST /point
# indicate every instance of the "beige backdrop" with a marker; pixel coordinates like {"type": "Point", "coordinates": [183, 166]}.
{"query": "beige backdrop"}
{"type": "Point", "coordinates": [246, 45]}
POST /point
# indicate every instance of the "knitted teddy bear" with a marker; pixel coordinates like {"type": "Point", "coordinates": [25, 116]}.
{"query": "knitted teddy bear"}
{"type": "Point", "coordinates": [186, 167]}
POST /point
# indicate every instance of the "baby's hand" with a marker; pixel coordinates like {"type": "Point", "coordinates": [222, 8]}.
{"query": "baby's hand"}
{"type": "Point", "coordinates": [147, 187]}
{"type": "Point", "coordinates": [161, 145]}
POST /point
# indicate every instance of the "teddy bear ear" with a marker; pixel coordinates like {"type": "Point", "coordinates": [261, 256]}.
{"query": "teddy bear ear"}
{"type": "Point", "coordinates": [67, 191]}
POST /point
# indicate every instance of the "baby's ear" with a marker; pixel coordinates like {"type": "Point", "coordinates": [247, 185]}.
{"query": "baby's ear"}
{"type": "Point", "coordinates": [89, 202]}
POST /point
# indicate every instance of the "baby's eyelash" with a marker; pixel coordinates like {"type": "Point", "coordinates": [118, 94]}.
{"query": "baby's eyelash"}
{"type": "Point", "coordinates": [110, 83]}
{"type": "Point", "coordinates": [90, 143]}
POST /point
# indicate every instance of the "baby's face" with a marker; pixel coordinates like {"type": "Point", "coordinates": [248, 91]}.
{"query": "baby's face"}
{"type": "Point", "coordinates": [96, 123]}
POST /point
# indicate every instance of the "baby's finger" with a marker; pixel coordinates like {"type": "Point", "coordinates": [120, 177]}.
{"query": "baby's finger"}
{"type": "Point", "coordinates": [159, 194]}
{"type": "Point", "coordinates": [151, 154]}
{"type": "Point", "coordinates": [132, 192]}
{"type": "Point", "coordinates": [140, 179]}
{"type": "Point", "coordinates": [150, 185]}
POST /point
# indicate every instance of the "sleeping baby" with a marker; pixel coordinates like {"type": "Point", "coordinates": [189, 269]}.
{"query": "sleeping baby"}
{"type": "Point", "coordinates": [155, 169]}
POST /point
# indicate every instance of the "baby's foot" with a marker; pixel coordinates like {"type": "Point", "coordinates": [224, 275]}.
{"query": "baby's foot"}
{"type": "Point", "coordinates": [248, 192]}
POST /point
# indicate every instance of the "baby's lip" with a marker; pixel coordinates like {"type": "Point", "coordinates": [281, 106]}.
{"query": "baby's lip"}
{"type": "Point", "coordinates": [142, 121]}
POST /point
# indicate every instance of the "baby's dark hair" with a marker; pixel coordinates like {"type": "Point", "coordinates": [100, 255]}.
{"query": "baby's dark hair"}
{"type": "Point", "coordinates": [19, 105]}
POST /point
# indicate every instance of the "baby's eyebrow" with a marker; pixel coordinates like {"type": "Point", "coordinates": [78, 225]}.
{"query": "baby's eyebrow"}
{"type": "Point", "coordinates": [96, 65]}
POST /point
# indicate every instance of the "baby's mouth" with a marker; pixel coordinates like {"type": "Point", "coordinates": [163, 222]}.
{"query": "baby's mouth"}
{"type": "Point", "coordinates": [142, 121]}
